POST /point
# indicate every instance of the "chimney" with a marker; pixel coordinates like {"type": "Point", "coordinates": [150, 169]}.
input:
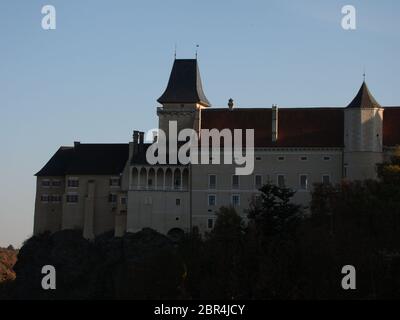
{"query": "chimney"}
{"type": "Point", "coordinates": [141, 137]}
{"type": "Point", "coordinates": [135, 142]}
{"type": "Point", "coordinates": [135, 137]}
{"type": "Point", "coordinates": [275, 122]}
{"type": "Point", "coordinates": [230, 104]}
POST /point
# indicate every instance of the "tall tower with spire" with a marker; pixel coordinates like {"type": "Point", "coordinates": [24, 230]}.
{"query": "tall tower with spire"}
{"type": "Point", "coordinates": [184, 98]}
{"type": "Point", "coordinates": [363, 136]}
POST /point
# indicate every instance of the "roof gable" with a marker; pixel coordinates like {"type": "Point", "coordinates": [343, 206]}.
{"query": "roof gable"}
{"type": "Point", "coordinates": [58, 163]}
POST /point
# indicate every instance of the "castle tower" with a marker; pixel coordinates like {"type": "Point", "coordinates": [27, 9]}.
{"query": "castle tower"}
{"type": "Point", "coordinates": [363, 122]}
{"type": "Point", "coordinates": [184, 98]}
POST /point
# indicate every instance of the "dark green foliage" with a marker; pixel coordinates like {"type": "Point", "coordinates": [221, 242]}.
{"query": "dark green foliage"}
{"type": "Point", "coordinates": [275, 213]}
{"type": "Point", "coordinates": [144, 265]}
{"type": "Point", "coordinates": [389, 172]}
{"type": "Point", "coordinates": [275, 220]}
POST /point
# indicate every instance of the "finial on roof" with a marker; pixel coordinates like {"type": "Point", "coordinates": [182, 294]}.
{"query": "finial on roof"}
{"type": "Point", "coordinates": [175, 52]}
{"type": "Point", "coordinates": [197, 48]}
{"type": "Point", "coordinates": [364, 74]}
{"type": "Point", "coordinates": [230, 104]}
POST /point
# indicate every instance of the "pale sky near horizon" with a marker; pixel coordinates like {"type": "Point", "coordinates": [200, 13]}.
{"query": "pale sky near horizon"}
{"type": "Point", "coordinates": [98, 75]}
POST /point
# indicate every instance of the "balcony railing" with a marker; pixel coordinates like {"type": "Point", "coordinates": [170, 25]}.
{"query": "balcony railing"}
{"type": "Point", "coordinates": [160, 188]}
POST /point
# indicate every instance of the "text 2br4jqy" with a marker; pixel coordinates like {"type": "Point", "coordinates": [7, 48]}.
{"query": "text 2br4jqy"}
{"type": "Point", "coordinates": [201, 310]}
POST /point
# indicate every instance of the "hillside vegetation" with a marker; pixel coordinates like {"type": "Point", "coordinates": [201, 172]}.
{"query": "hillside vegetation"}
{"type": "Point", "coordinates": [8, 258]}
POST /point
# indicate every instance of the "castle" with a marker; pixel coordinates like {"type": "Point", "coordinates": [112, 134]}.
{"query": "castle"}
{"type": "Point", "coordinates": [112, 187]}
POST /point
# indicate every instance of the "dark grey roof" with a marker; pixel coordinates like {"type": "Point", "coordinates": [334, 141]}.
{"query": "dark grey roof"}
{"type": "Point", "coordinates": [58, 163]}
{"type": "Point", "coordinates": [140, 157]}
{"type": "Point", "coordinates": [184, 85]}
{"type": "Point", "coordinates": [87, 159]}
{"type": "Point", "coordinates": [364, 99]}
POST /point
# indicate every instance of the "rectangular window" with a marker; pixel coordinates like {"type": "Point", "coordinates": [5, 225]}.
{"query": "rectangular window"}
{"type": "Point", "coordinates": [212, 181]}
{"type": "Point", "coordinates": [46, 183]}
{"type": "Point", "coordinates": [345, 171]}
{"type": "Point", "coordinates": [212, 200]}
{"type": "Point", "coordinates": [281, 158]}
{"type": "Point", "coordinates": [178, 202]}
{"type": "Point", "coordinates": [235, 182]}
{"type": "Point", "coordinates": [303, 182]}
{"type": "Point", "coordinates": [210, 223]}
{"type": "Point", "coordinates": [303, 158]}
{"type": "Point", "coordinates": [258, 158]}
{"type": "Point", "coordinates": [326, 179]}
{"type": "Point", "coordinates": [73, 183]}
{"type": "Point", "coordinates": [44, 198]}
{"type": "Point", "coordinates": [258, 181]}
{"type": "Point", "coordinates": [55, 198]}
{"type": "Point", "coordinates": [236, 200]}
{"type": "Point", "coordinates": [281, 181]}
{"type": "Point", "coordinates": [327, 158]}
{"type": "Point", "coordinates": [115, 182]}
{"type": "Point", "coordinates": [72, 198]}
{"type": "Point", "coordinates": [123, 201]}
{"type": "Point", "coordinates": [56, 183]}
{"type": "Point", "coordinates": [112, 198]}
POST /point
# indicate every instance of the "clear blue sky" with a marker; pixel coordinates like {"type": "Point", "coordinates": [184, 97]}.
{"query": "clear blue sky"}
{"type": "Point", "coordinates": [97, 77]}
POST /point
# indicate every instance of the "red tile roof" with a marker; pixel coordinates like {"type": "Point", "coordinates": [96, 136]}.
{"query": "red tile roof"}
{"type": "Point", "coordinates": [298, 127]}
{"type": "Point", "coordinates": [391, 126]}
{"type": "Point", "coordinates": [302, 127]}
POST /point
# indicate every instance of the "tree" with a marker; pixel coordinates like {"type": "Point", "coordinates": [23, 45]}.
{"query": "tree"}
{"type": "Point", "coordinates": [229, 226]}
{"type": "Point", "coordinates": [274, 218]}
{"type": "Point", "coordinates": [224, 247]}
{"type": "Point", "coordinates": [275, 214]}
{"type": "Point", "coordinates": [389, 172]}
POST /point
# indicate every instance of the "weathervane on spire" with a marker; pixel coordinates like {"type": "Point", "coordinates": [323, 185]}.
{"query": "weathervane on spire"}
{"type": "Point", "coordinates": [175, 52]}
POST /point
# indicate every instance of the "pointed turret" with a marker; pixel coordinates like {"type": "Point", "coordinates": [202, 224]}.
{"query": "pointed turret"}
{"type": "Point", "coordinates": [363, 125]}
{"type": "Point", "coordinates": [364, 99]}
{"type": "Point", "coordinates": [184, 85]}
